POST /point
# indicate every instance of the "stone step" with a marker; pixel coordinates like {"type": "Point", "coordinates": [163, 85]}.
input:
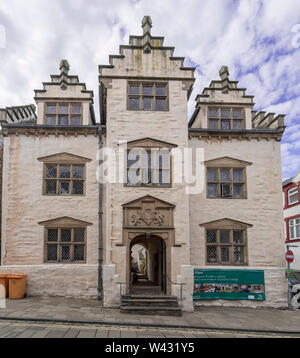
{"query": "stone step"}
{"type": "Point", "coordinates": [153, 310]}
{"type": "Point", "coordinates": [149, 297]}
{"type": "Point", "coordinates": [149, 302]}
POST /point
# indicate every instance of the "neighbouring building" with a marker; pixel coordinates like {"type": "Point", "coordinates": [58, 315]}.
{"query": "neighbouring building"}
{"type": "Point", "coordinates": [220, 235]}
{"type": "Point", "coordinates": [291, 206]}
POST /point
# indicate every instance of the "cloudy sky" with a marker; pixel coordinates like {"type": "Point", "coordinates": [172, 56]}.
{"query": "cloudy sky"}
{"type": "Point", "coordinates": [258, 39]}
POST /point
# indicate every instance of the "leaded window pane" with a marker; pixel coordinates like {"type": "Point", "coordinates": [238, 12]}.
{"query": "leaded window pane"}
{"type": "Point", "coordinates": [161, 90]}
{"type": "Point", "coordinates": [79, 235]}
{"type": "Point", "coordinates": [64, 187]}
{"type": "Point", "coordinates": [52, 252]}
{"type": "Point", "coordinates": [134, 103]}
{"type": "Point", "coordinates": [212, 175]}
{"type": "Point", "coordinates": [211, 236]}
{"type": "Point", "coordinates": [237, 175]}
{"type": "Point", "coordinates": [51, 109]}
{"type": "Point", "coordinates": [63, 109]}
{"type": "Point", "coordinates": [237, 124]}
{"type": "Point", "coordinates": [225, 113]}
{"type": "Point", "coordinates": [238, 237]}
{"type": "Point", "coordinates": [212, 190]}
{"type": "Point", "coordinates": [213, 113]}
{"type": "Point", "coordinates": [211, 254]}
{"type": "Point", "coordinates": [75, 109]}
{"type": "Point", "coordinates": [213, 124]}
{"type": "Point", "coordinates": [78, 253]}
{"type": "Point", "coordinates": [224, 175]}
{"type": "Point", "coordinates": [51, 171]}
{"type": "Point", "coordinates": [65, 252]}
{"type": "Point", "coordinates": [64, 171]}
{"type": "Point", "coordinates": [238, 254]}
{"type": "Point", "coordinates": [161, 104]}
{"type": "Point", "coordinates": [75, 120]}
{"type": "Point", "coordinates": [50, 186]}
{"type": "Point", "coordinates": [237, 190]}
{"type": "Point", "coordinates": [51, 120]}
{"type": "Point", "coordinates": [237, 114]}
{"type": "Point", "coordinates": [147, 89]}
{"type": "Point", "coordinates": [164, 177]}
{"type": "Point", "coordinates": [134, 89]}
{"type": "Point", "coordinates": [224, 237]}
{"type": "Point", "coordinates": [225, 124]}
{"type": "Point", "coordinates": [147, 103]}
{"type": "Point", "coordinates": [52, 235]}
{"type": "Point", "coordinates": [65, 235]}
{"type": "Point", "coordinates": [78, 171]}
{"type": "Point", "coordinates": [63, 120]}
{"type": "Point", "coordinates": [225, 254]}
{"type": "Point", "coordinates": [77, 187]}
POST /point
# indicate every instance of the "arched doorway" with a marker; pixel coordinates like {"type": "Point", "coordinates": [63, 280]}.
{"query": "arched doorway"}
{"type": "Point", "coordinates": [147, 265]}
{"type": "Point", "coordinates": [149, 221]}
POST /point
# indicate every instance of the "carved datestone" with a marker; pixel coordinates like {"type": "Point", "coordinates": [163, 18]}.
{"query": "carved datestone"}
{"type": "Point", "coordinates": [148, 212]}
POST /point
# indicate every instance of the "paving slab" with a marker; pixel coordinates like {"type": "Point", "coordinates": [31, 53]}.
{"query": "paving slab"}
{"type": "Point", "coordinates": [70, 309]}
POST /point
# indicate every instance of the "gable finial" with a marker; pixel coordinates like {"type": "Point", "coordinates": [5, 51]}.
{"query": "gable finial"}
{"type": "Point", "coordinates": [224, 73]}
{"type": "Point", "coordinates": [146, 25]}
{"type": "Point", "coordinates": [64, 67]}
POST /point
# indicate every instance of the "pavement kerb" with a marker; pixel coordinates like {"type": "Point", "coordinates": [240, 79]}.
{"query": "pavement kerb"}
{"type": "Point", "coordinates": [152, 325]}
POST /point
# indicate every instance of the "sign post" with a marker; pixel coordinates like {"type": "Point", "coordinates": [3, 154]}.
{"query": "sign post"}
{"type": "Point", "coordinates": [289, 256]}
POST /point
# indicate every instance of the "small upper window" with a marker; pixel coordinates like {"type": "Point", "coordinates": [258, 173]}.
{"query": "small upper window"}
{"type": "Point", "coordinates": [225, 118]}
{"type": "Point", "coordinates": [147, 96]}
{"type": "Point", "coordinates": [293, 196]}
{"type": "Point", "coordinates": [63, 114]}
{"type": "Point", "coordinates": [226, 183]}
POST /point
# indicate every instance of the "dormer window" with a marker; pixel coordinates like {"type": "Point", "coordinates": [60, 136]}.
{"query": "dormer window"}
{"type": "Point", "coordinates": [147, 96]}
{"type": "Point", "coordinates": [63, 114]}
{"type": "Point", "coordinates": [225, 118]}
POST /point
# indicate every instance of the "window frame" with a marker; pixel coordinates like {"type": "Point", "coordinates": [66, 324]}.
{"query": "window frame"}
{"type": "Point", "coordinates": [60, 243]}
{"type": "Point", "coordinates": [219, 117]}
{"type": "Point", "coordinates": [154, 97]}
{"type": "Point", "coordinates": [58, 179]}
{"type": "Point", "coordinates": [57, 113]}
{"type": "Point", "coordinates": [156, 169]}
{"type": "Point", "coordinates": [293, 227]}
{"type": "Point", "coordinates": [231, 244]}
{"type": "Point", "coordinates": [231, 182]}
{"type": "Point", "coordinates": [296, 190]}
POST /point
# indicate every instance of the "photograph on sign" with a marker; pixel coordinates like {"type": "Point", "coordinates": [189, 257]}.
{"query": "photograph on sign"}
{"type": "Point", "coordinates": [229, 284]}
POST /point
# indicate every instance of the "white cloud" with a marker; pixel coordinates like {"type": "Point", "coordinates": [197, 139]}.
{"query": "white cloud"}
{"type": "Point", "coordinates": [253, 37]}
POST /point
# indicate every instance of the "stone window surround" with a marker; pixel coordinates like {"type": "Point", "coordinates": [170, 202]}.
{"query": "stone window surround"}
{"type": "Point", "coordinates": [59, 179]}
{"type": "Point", "coordinates": [227, 163]}
{"type": "Point", "coordinates": [141, 95]}
{"type": "Point", "coordinates": [64, 159]}
{"type": "Point", "coordinates": [56, 115]}
{"type": "Point", "coordinates": [219, 117]}
{"type": "Point", "coordinates": [230, 226]}
{"type": "Point", "coordinates": [68, 224]}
